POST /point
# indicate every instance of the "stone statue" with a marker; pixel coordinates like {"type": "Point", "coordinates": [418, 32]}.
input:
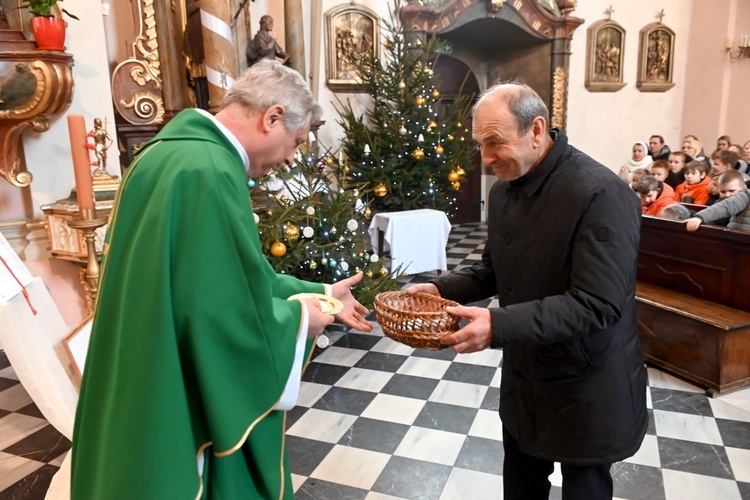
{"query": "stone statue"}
{"type": "Point", "coordinates": [264, 44]}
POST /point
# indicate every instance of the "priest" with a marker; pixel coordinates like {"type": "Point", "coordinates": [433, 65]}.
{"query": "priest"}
{"type": "Point", "coordinates": [195, 350]}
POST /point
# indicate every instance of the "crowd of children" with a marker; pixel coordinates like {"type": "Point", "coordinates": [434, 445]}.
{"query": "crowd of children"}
{"type": "Point", "coordinates": [671, 183]}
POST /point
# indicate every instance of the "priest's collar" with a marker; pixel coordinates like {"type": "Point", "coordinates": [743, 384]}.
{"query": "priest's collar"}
{"type": "Point", "coordinates": [229, 135]}
{"type": "Point", "coordinates": [531, 181]}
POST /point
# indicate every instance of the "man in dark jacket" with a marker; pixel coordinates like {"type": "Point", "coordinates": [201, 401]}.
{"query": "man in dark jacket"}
{"type": "Point", "coordinates": [657, 149]}
{"type": "Point", "coordinates": [561, 252]}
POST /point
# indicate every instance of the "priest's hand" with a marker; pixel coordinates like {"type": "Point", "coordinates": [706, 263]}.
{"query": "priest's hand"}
{"type": "Point", "coordinates": [354, 313]}
{"type": "Point", "coordinates": [476, 336]}
{"type": "Point", "coordinates": [318, 320]}
{"type": "Point", "coordinates": [428, 288]}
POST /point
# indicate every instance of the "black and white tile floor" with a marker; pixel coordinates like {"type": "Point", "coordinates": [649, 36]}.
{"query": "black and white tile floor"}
{"type": "Point", "coordinates": [379, 420]}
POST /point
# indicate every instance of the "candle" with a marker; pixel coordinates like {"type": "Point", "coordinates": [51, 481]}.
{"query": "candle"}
{"type": "Point", "coordinates": [81, 163]}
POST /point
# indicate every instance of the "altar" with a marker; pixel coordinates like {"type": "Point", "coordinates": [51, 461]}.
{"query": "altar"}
{"type": "Point", "coordinates": [415, 239]}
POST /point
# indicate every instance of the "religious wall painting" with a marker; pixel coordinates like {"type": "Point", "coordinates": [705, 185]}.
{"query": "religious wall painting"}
{"type": "Point", "coordinates": [605, 55]}
{"type": "Point", "coordinates": [352, 33]}
{"type": "Point", "coordinates": [655, 58]}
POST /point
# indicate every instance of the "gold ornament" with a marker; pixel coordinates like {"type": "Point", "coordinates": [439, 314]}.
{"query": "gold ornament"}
{"type": "Point", "coordinates": [439, 149]}
{"type": "Point", "coordinates": [383, 271]}
{"type": "Point", "coordinates": [420, 100]}
{"type": "Point", "coordinates": [368, 213]}
{"type": "Point", "coordinates": [432, 124]}
{"type": "Point", "coordinates": [418, 154]}
{"type": "Point", "coordinates": [278, 249]}
{"type": "Point", "coordinates": [346, 169]}
{"type": "Point", "coordinates": [369, 274]}
{"type": "Point", "coordinates": [458, 124]}
{"type": "Point", "coordinates": [463, 138]}
{"type": "Point", "coordinates": [356, 193]}
{"type": "Point", "coordinates": [292, 233]}
{"type": "Point", "coordinates": [269, 213]}
{"type": "Point", "coordinates": [456, 185]}
{"type": "Point", "coordinates": [380, 190]}
{"type": "Point", "coordinates": [329, 160]}
{"type": "Point", "coordinates": [401, 85]}
{"type": "Point", "coordinates": [402, 130]}
{"type": "Point", "coordinates": [436, 93]}
{"type": "Point", "coordinates": [461, 172]}
{"type": "Point", "coordinates": [313, 264]}
{"type": "Point", "coordinates": [450, 137]}
{"type": "Point", "coordinates": [453, 176]}
{"type": "Point", "coordinates": [284, 198]}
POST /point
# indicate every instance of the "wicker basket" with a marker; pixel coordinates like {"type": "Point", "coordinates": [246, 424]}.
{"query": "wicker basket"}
{"type": "Point", "coordinates": [415, 319]}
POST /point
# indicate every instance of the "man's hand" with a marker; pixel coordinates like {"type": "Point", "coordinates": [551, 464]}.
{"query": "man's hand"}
{"type": "Point", "coordinates": [318, 320]}
{"type": "Point", "coordinates": [354, 313]}
{"type": "Point", "coordinates": [428, 288]}
{"type": "Point", "coordinates": [476, 336]}
{"type": "Point", "coordinates": [693, 223]}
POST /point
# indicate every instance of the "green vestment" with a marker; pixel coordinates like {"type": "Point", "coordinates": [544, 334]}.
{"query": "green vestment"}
{"type": "Point", "coordinates": [193, 339]}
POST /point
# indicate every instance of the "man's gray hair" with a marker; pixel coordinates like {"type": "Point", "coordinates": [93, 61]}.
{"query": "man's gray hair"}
{"type": "Point", "coordinates": [267, 83]}
{"type": "Point", "coordinates": [523, 101]}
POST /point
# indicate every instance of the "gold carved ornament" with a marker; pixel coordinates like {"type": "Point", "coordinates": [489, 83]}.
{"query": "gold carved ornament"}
{"type": "Point", "coordinates": [559, 96]}
{"type": "Point", "coordinates": [40, 91]}
{"type": "Point", "coordinates": [136, 82]}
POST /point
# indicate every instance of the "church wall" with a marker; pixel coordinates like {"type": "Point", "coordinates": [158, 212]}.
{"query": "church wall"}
{"type": "Point", "coordinates": [606, 124]}
{"type": "Point", "coordinates": [716, 100]}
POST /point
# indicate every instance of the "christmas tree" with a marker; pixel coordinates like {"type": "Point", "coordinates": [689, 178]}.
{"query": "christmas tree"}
{"type": "Point", "coordinates": [409, 154]}
{"type": "Point", "coordinates": [313, 224]}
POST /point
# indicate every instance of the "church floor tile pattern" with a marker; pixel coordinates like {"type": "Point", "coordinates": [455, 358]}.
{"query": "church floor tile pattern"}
{"type": "Point", "coordinates": [378, 420]}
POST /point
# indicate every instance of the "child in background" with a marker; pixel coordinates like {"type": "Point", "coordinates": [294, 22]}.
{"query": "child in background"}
{"type": "Point", "coordinates": [655, 195]}
{"type": "Point", "coordinates": [638, 174]}
{"type": "Point", "coordinates": [735, 204]}
{"type": "Point", "coordinates": [660, 170]}
{"type": "Point", "coordinates": [677, 161]}
{"type": "Point", "coordinates": [695, 188]}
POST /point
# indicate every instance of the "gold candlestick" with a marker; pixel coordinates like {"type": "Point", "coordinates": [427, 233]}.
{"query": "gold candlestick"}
{"type": "Point", "coordinates": [88, 223]}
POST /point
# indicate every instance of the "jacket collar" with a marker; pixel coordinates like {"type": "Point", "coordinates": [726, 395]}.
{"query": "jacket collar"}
{"type": "Point", "coordinates": [531, 182]}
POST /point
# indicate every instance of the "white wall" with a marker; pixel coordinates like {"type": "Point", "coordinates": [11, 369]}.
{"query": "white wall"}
{"type": "Point", "coordinates": [48, 153]}
{"type": "Point", "coordinates": [605, 125]}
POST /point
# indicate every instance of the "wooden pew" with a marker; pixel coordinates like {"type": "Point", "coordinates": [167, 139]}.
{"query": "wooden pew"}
{"type": "Point", "coordinates": [693, 302]}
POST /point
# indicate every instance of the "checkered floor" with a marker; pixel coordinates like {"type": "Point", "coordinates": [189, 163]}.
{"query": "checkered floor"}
{"type": "Point", "coordinates": [379, 420]}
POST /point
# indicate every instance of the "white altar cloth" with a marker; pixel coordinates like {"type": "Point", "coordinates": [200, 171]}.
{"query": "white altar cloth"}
{"type": "Point", "coordinates": [416, 238]}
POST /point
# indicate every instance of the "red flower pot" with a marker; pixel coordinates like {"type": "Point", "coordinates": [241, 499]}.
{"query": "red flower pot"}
{"type": "Point", "coordinates": [49, 32]}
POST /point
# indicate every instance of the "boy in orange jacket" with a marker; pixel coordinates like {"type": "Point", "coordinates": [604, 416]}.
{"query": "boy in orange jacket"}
{"type": "Point", "coordinates": [655, 195]}
{"type": "Point", "coordinates": [695, 188]}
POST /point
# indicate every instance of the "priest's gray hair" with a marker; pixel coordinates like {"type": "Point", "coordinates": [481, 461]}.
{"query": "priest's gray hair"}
{"type": "Point", "coordinates": [523, 101]}
{"type": "Point", "coordinates": [267, 83]}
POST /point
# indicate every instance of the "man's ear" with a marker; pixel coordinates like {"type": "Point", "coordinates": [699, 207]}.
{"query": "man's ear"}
{"type": "Point", "coordinates": [273, 116]}
{"type": "Point", "coordinates": [539, 129]}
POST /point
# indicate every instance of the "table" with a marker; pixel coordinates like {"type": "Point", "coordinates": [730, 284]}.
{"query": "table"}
{"type": "Point", "coordinates": [416, 238]}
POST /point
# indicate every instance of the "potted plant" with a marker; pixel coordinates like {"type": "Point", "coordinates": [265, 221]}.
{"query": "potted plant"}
{"type": "Point", "coordinates": [46, 24]}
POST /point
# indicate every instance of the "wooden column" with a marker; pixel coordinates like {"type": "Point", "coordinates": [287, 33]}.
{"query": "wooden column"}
{"type": "Point", "coordinates": [294, 35]}
{"type": "Point", "coordinates": [217, 43]}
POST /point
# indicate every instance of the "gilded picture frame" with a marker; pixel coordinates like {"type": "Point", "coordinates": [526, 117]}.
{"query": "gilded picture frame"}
{"type": "Point", "coordinates": [656, 58]}
{"type": "Point", "coordinates": [352, 32]}
{"type": "Point", "coordinates": [605, 56]}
